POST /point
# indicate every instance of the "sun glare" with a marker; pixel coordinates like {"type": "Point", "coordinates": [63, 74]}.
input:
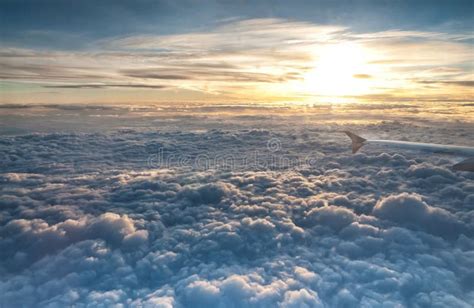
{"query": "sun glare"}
{"type": "Point", "coordinates": [339, 70]}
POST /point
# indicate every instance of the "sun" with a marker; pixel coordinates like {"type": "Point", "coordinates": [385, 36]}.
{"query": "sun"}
{"type": "Point", "coordinates": [339, 70]}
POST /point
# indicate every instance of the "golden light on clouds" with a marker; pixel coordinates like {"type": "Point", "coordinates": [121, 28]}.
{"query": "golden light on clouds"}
{"type": "Point", "coordinates": [248, 60]}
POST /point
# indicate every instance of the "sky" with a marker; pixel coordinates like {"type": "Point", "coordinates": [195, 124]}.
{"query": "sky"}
{"type": "Point", "coordinates": [235, 51]}
{"type": "Point", "coordinates": [192, 154]}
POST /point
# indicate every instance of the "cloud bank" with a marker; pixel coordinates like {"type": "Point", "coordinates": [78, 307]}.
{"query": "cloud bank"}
{"type": "Point", "coordinates": [85, 220]}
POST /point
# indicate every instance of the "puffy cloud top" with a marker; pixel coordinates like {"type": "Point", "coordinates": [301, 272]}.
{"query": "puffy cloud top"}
{"type": "Point", "coordinates": [89, 219]}
{"type": "Point", "coordinates": [411, 210]}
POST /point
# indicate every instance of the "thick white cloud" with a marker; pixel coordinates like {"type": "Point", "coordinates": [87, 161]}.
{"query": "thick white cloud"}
{"type": "Point", "coordinates": [406, 209]}
{"type": "Point", "coordinates": [87, 219]}
{"type": "Point", "coordinates": [332, 216]}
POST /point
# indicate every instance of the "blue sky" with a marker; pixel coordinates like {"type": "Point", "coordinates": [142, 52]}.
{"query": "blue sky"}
{"type": "Point", "coordinates": [73, 24]}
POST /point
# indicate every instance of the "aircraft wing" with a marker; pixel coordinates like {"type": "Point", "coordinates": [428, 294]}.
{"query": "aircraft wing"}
{"type": "Point", "coordinates": [465, 165]}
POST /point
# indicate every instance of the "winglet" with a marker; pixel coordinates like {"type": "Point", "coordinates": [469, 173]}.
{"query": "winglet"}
{"type": "Point", "coordinates": [357, 141]}
{"type": "Point", "coordinates": [465, 165]}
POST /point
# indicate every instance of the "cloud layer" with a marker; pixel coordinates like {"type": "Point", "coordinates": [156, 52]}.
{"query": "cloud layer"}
{"type": "Point", "coordinates": [87, 219]}
{"type": "Point", "coordinates": [247, 59]}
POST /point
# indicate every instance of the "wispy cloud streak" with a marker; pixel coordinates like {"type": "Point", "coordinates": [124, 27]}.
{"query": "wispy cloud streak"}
{"type": "Point", "coordinates": [254, 59]}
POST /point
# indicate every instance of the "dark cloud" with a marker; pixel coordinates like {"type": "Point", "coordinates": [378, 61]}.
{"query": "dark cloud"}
{"type": "Point", "coordinates": [52, 71]}
{"type": "Point", "coordinates": [151, 75]}
{"type": "Point", "coordinates": [362, 76]}
{"type": "Point", "coordinates": [209, 75]}
{"type": "Point", "coordinates": [104, 86]}
{"type": "Point", "coordinates": [460, 83]}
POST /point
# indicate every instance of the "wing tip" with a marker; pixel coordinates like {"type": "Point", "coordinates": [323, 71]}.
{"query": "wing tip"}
{"type": "Point", "coordinates": [357, 141]}
{"type": "Point", "coordinates": [465, 165]}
